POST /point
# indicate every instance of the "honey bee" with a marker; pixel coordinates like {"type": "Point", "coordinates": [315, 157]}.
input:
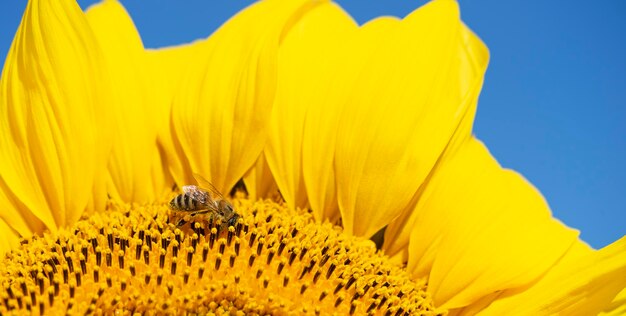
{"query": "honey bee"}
{"type": "Point", "coordinates": [201, 199]}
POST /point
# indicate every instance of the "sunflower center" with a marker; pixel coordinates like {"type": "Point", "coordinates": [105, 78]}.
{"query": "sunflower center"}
{"type": "Point", "coordinates": [273, 261]}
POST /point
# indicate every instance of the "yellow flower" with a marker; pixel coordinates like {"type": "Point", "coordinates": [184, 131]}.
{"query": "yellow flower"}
{"type": "Point", "coordinates": [365, 127]}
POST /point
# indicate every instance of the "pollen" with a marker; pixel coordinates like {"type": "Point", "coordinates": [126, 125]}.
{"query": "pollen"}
{"type": "Point", "coordinates": [274, 260]}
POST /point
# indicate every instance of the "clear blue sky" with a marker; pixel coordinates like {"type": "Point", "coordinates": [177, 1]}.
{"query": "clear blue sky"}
{"type": "Point", "coordinates": [553, 105]}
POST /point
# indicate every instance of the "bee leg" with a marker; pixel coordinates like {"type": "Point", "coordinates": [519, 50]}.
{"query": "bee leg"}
{"type": "Point", "coordinates": [213, 220]}
{"type": "Point", "coordinates": [226, 223]}
{"type": "Point", "coordinates": [181, 222]}
{"type": "Point", "coordinates": [233, 220]}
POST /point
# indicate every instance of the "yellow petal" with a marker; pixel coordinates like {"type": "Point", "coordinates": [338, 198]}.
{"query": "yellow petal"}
{"type": "Point", "coordinates": [473, 58]}
{"type": "Point", "coordinates": [52, 104]}
{"type": "Point", "coordinates": [164, 71]}
{"type": "Point", "coordinates": [165, 68]}
{"type": "Point", "coordinates": [304, 67]}
{"type": "Point", "coordinates": [496, 233]}
{"type": "Point", "coordinates": [331, 93]}
{"type": "Point", "coordinates": [578, 250]}
{"type": "Point", "coordinates": [220, 114]}
{"type": "Point", "coordinates": [322, 119]}
{"type": "Point", "coordinates": [260, 182]}
{"type": "Point", "coordinates": [576, 286]}
{"type": "Point", "coordinates": [404, 109]}
{"type": "Point", "coordinates": [134, 158]}
{"type": "Point", "coordinates": [19, 223]}
{"type": "Point", "coordinates": [617, 306]}
{"type": "Point", "coordinates": [9, 239]}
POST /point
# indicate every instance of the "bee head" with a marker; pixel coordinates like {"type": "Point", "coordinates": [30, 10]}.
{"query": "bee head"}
{"type": "Point", "coordinates": [233, 220]}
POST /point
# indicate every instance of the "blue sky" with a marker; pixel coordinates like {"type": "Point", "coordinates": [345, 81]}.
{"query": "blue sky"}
{"type": "Point", "coordinates": [553, 105]}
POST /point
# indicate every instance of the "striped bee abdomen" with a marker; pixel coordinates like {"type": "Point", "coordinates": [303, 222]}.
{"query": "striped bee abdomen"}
{"type": "Point", "coordinates": [184, 202]}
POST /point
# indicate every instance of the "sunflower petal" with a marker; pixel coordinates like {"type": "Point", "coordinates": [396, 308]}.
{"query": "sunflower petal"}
{"type": "Point", "coordinates": [303, 66]}
{"type": "Point", "coordinates": [164, 71]}
{"type": "Point", "coordinates": [319, 139]}
{"type": "Point", "coordinates": [165, 68]}
{"type": "Point", "coordinates": [576, 286]}
{"type": "Point", "coordinates": [404, 109]}
{"type": "Point", "coordinates": [473, 58]}
{"type": "Point", "coordinates": [617, 306]}
{"type": "Point", "coordinates": [52, 103]}
{"type": "Point", "coordinates": [260, 182]}
{"type": "Point", "coordinates": [220, 114]}
{"type": "Point", "coordinates": [578, 250]}
{"type": "Point", "coordinates": [497, 232]}
{"type": "Point", "coordinates": [322, 119]}
{"type": "Point", "coordinates": [9, 239]}
{"type": "Point", "coordinates": [20, 223]}
{"type": "Point", "coordinates": [135, 158]}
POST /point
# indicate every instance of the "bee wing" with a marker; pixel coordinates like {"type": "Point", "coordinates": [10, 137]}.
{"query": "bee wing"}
{"type": "Point", "coordinates": [197, 193]}
{"type": "Point", "coordinates": [206, 185]}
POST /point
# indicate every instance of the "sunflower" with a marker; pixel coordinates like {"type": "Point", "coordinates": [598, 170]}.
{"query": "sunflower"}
{"type": "Point", "coordinates": [345, 150]}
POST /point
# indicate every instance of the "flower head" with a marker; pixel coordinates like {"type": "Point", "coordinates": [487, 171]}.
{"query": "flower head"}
{"type": "Point", "coordinates": [356, 130]}
{"type": "Point", "coordinates": [274, 261]}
